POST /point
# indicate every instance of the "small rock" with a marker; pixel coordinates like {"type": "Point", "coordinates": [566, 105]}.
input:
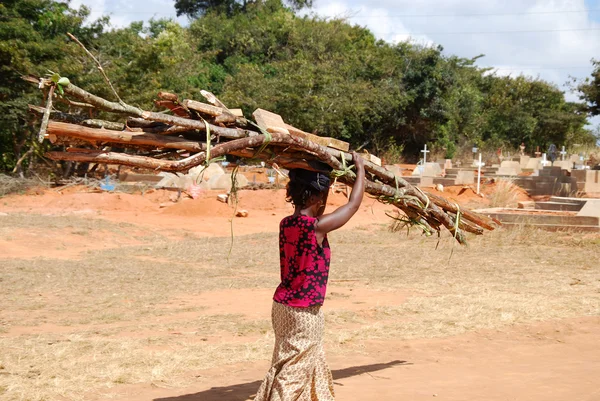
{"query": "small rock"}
{"type": "Point", "coordinates": [222, 198]}
{"type": "Point", "coordinates": [242, 213]}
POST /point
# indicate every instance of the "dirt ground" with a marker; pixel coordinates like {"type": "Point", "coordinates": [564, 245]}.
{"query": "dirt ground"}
{"type": "Point", "coordinates": [150, 297]}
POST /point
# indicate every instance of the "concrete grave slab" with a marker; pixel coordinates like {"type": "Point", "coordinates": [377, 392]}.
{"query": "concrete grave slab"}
{"type": "Point", "coordinates": [428, 170]}
{"type": "Point", "coordinates": [565, 165]}
{"type": "Point", "coordinates": [523, 161]}
{"type": "Point", "coordinates": [465, 177]}
{"type": "Point", "coordinates": [509, 168]}
{"type": "Point", "coordinates": [589, 178]}
{"type": "Point", "coordinates": [533, 163]}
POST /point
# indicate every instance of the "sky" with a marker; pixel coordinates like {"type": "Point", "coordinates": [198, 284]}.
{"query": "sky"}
{"type": "Point", "coordinates": [554, 40]}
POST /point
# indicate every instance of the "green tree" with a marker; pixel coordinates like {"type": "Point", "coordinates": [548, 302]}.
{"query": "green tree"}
{"type": "Point", "coordinates": [32, 41]}
{"type": "Point", "coordinates": [590, 90]}
{"type": "Point", "coordinates": [196, 8]}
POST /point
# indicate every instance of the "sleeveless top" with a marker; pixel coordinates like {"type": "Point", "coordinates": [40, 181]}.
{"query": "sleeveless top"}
{"type": "Point", "coordinates": [304, 264]}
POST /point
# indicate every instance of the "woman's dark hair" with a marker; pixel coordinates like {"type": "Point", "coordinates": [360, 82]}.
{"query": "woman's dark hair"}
{"type": "Point", "coordinates": [303, 184]}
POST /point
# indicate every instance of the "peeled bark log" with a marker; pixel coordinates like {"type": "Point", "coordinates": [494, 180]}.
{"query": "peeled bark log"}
{"type": "Point", "coordinates": [98, 135]}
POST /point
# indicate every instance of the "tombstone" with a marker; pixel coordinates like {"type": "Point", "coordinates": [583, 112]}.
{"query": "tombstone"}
{"type": "Point", "coordinates": [563, 164]}
{"type": "Point", "coordinates": [509, 168]}
{"type": "Point", "coordinates": [563, 153]}
{"type": "Point", "coordinates": [425, 151]}
{"type": "Point", "coordinates": [523, 161]}
{"type": "Point", "coordinates": [545, 161]}
{"type": "Point", "coordinates": [465, 177]}
{"type": "Point", "coordinates": [447, 164]}
{"type": "Point", "coordinates": [533, 163]}
{"type": "Point", "coordinates": [588, 180]}
{"type": "Point", "coordinates": [224, 181]}
{"type": "Point", "coordinates": [428, 170]}
{"type": "Point", "coordinates": [574, 159]}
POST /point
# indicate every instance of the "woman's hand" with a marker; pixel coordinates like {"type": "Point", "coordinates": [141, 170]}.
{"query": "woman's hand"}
{"type": "Point", "coordinates": [341, 215]}
{"type": "Point", "coordinates": [359, 162]}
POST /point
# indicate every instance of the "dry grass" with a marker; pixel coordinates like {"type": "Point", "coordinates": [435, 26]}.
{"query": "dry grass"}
{"type": "Point", "coordinates": [505, 194]}
{"type": "Point", "coordinates": [72, 329]}
{"type": "Point", "coordinates": [11, 185]}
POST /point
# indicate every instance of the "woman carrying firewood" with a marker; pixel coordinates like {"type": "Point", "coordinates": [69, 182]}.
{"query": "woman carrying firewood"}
{"type": "Point", "coordinates": [299, 371]}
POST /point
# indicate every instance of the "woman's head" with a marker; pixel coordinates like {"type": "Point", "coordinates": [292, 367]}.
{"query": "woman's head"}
{"type": "Point", "coordinates": [306, 188]}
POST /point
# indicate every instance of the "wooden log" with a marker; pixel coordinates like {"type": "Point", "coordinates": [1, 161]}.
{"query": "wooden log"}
{"type": "Point", "coordinates": [398, 196]}
{"type": "Point", "coordinates": [137, 122]}
{"type": "Point", "coordinates": [167, 96]}
{"type": "Point", "coordinates": [273, 122]}
{"type": "Point", "coordinates": [321, 140]}
{"type": "Point", "coordinates": [99, 135]}
{"type": "Point", "coordinates": [73, 90]}
{"type": "Point", "coordinates": [212, 99]}
{"type": "Point", "coordinates": [175, 107]}
{"type": "Point", "coordinates": [203, 108]}
{"type": "Point", "coordinates": [76, 119]}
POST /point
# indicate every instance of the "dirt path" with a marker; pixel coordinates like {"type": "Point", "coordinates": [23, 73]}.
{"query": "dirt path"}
{"type": "Point", "coordinates": [555, 361]}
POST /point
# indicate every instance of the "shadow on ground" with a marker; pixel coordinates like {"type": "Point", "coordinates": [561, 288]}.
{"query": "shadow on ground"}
{"type": "Point", "coordinates": [241, 392]}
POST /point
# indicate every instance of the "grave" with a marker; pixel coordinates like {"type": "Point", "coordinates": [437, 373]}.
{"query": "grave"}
{"type": "Point", "coordinates": [558, 213]}
{"type": "Point", "coordinates": [523, 161]}
{"type": "Point", "coordinates": [533, 163]}
{"type": "Point", "coordinates": [428, 170]}
{"type": "Point", "coordinates": [509, 168]}
{"type": "Point", "coordinates": [563, 164]}
{"type": "Point", "coordinates": [465, 177]}
{"type": "Point", "coordinates": [588, 181]}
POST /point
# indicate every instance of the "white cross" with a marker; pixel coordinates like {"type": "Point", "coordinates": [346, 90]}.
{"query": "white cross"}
{"type": "Point", "coordinates": [544, 160]}
{"type": "Point", "coordinates": [425, 151]}
{"type": "Point", "coordinates": [563, 153]}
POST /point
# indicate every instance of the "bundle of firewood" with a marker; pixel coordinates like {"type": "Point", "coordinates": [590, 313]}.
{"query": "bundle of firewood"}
{"type": "Point", "coordinates": [191, 133]}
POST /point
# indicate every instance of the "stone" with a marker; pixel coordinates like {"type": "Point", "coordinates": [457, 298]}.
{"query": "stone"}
{"type": "Point", "coordinates": [222, 198]}
{"type": "Point", "coordinates": [508, 167]}
{"type": "Point", "coordinates": [224, 181]}
{"type": "Point", "coordinates": [241, 213]}
{"type": "Point", "coordinates": [523, 161]}
{"type": "Point", "coordinates": [213, 169]}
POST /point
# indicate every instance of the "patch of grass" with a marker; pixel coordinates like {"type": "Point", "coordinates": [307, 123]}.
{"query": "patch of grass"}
{"type": "Point", "coordinates": [505, 194]}
{"type": "Point", "coordinates": [13, 185]}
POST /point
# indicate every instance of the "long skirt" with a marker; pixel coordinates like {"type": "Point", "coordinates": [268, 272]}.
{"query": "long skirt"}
{"type": "Point", "coordinates": [298, 370]}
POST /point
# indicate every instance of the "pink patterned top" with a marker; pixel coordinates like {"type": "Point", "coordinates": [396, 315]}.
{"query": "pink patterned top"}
{"type": "Point", "coordinates": [304, 264]}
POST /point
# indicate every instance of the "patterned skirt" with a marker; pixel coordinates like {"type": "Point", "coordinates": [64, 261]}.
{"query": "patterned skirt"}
{"type": "Point", "coordinates": [298, 370]}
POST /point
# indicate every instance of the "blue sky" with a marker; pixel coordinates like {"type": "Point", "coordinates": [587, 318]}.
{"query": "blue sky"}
{"type": "Point", "coordinates": [593, 4]}
{"type": "Point", "coordinates": [550, 39]}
